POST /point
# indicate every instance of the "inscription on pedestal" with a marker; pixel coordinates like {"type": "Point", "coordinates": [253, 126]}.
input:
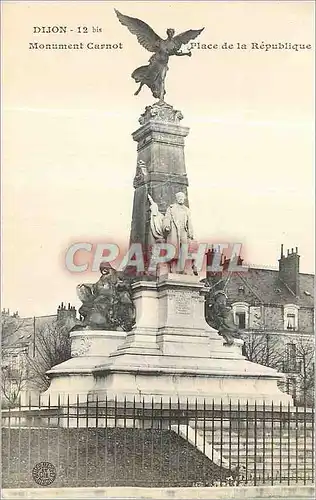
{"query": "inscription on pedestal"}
{"type": "Point", "coordinates": [183, 303]}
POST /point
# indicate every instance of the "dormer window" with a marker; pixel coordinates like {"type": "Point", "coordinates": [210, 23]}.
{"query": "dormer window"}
{"type": "Point", "coordinates": [291, 317]}
{"type": "Point", "coordinates": [241, 314]}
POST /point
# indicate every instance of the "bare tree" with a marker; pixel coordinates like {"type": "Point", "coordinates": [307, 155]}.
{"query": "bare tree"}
{"type": "Point", "coordinates": [14, 372]}
{"type": "Point", "coordinates": [52, 346]}
{"type": "Point", "coordinates": [295, 358]}
{"type": "Point", "coordinates": [305, 372]}
{"type": "Point", "coordinates": [13, 382]}
{"type": "Point", "coordinates": [264, 348]}
{"type": "Point", "coordinates": [24, 368]}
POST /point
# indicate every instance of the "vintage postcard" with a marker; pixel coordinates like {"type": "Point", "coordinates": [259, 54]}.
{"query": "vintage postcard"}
{"type": "Point", "coordinates": [158, 249]}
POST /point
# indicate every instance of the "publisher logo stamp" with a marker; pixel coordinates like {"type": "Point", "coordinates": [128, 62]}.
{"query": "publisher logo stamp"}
{"type": "Point", "coordinates": [44, 473]}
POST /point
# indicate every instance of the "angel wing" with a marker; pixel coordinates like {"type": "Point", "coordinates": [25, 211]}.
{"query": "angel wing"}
{"type": "Point", "coordinates": [145, 34]}
{"type": "Point", "coordinates": [185, 37]}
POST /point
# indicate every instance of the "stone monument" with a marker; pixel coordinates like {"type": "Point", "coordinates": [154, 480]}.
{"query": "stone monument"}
{"type": "Point", "coordinates": [161, 171]}
{"type": "Point", "coordinates": [170, 351]}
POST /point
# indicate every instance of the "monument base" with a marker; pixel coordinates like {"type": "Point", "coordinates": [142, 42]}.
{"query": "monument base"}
{"type": "Point", "coordinates": [171, 353]}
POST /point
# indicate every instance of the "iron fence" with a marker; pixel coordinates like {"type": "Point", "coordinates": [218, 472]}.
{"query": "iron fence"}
{"type": "Point", "coordinates": [156, 444]}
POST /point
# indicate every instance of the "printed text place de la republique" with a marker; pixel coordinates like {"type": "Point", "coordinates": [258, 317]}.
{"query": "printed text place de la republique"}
{"type": "Point", "coordinates": [254, 46]}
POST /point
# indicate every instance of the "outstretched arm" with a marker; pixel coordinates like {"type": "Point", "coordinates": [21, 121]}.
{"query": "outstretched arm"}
{"type": "Point", "coordinates": [183, 53]}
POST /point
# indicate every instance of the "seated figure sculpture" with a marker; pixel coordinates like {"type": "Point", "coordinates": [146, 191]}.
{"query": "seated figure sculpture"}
{"type": "Point", "coordinates": [221, 317]}
{"type": "Point", "coordinates": [106, 304]}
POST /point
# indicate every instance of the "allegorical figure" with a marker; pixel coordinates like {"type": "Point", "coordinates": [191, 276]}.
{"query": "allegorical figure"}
{"type": "Point", "coordinates": [153, 74]}
{"type": "Point", "coordinates": [221, 317]}
{"type": "Point", "coordinates": [174, 228]}
{"type": "Point", "coordinates": [106, 304]}
{"type": "Point", "coordinates": [156, 223]}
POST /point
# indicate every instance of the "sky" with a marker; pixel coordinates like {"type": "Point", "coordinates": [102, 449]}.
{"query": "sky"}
{"type": "Point", "coordinates": [68, 157]}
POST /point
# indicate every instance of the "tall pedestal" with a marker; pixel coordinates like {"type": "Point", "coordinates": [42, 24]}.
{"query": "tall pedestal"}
{"type": "Point", "coordinates": [160, 170]}
{"type": "Point", "coordinates": [171, 353]}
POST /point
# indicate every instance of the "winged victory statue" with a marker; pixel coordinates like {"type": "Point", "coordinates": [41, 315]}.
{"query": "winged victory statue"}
{"type": "Point", "coordinates": [153, 74]}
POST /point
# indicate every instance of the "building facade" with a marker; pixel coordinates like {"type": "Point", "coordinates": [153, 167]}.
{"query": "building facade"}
{"type": "Point", "coordinates": [23, 349]}
{"type": "Point", "coordinates": [274, 310]}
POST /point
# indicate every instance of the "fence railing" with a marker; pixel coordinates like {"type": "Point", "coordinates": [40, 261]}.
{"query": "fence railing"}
{"type": "Point", "coordinates": [141, 443]}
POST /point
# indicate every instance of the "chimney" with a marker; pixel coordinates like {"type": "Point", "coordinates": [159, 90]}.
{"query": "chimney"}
{"type": "Point", "coordinates": [289, 269]}
{"type": "Point", "coordinates": [216, 258]}
{"type": "Point", "coordinates": [63, 313]}
{"type": "Point", "coordinates": [282, 254]}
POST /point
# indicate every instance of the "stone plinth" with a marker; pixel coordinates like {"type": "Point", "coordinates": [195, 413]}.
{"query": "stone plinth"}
{"type": "Point", "coordinates": [171, 353]}
{"type": "Point", "coordinates": [170, 319]}
{"type": "Point", "coordinates": [95, 342]}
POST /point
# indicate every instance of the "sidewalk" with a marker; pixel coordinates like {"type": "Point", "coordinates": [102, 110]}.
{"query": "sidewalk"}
{"type": "Point", "coordinates": [280, 492]}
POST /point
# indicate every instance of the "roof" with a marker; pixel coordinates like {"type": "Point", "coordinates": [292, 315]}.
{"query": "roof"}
{"type": "Point", "coordinates": [21, 332]}
{"type": "Point", "coordinates": [264, 286]}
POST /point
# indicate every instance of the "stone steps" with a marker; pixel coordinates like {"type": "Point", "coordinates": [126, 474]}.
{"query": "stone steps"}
{"type": "Point", "coordinates": [267, 446]}
{"type": "Point", "coordinates": [251, 430]}
{"type": "Point", "coordinates": [276, 462]}
{"type": "Point", "coordinates": [258, 430]}
{"type": "Point", "coordinates": [294, 444]}
{"type": "Point", "coordinates": [267, 442]}
{"type": "Point", "coordinates": [267, 456]}
{"type": "Point", "coordinates": [225, 424]}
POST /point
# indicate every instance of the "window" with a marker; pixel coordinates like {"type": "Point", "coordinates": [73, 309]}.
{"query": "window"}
{"type": "Point", "coordinates": [241, 319]}
{"type": "Point", "coordinates": [291, 352]}
{"type": "Point", "coordinates": [291, 357]}
{"type": "Point", "coordinates": [241, 314]}
{"type": "Point", "coordinates": [291, 317]}
{"type": "Point", "coordinates": [290, 320]}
